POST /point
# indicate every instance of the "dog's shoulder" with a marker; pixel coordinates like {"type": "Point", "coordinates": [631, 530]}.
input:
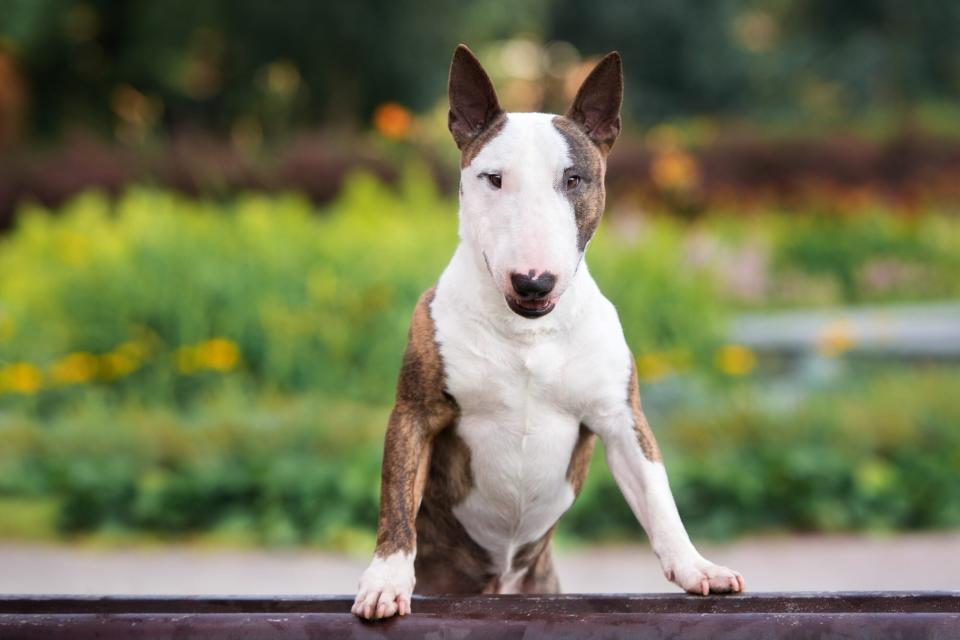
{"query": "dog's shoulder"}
{"type": "Point", "coordinates": [422, 380]}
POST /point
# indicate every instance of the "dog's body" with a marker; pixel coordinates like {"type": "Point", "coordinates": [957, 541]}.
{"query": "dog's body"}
{"type": "Point", "coordinates": [516, 363]}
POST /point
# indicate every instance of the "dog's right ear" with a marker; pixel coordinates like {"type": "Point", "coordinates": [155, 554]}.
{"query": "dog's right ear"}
{"type": "Point", "coordinates": [473, 102]}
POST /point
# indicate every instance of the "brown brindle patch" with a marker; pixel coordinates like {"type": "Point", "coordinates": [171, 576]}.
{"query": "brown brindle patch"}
{"type": "Point", "coordinates": [474, 146]}
{"type": "Point", "coordinates": [645, 438]}
{"type": "Point", "coordinates": [542, 576]}
{"type": "Point", "coordinates": [587, 161]}
{"type": "Point", "coordinates": [580, 460]}
{"type": "Point", "coordinates": [537, 559]}
{"type": "Point", "coordinates": [422, 410]}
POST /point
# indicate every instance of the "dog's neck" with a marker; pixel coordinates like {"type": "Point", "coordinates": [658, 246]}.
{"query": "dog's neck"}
{"type": "Point", "coordinates": [468, 282]}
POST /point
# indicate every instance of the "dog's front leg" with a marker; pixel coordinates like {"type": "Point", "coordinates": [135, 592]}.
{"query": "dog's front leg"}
{"type": "Point", "coordinates": [634, 459]}
{"type": "Point", "coordinates": [422, 410]}
{"type": "Point", "coordinates": [387, 584]}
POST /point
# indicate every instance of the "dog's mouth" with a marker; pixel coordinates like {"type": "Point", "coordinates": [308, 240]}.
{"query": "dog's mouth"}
{"type": "Point", "coordinates": [530, 308]}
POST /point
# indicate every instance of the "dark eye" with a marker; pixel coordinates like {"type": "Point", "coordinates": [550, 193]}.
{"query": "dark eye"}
{"type": "Point", "coordinates": [494, 179]}
{"type": "Point", "coordinates": [573, 182]}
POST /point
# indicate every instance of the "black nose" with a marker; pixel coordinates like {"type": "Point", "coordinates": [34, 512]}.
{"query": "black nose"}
{"type": "Point", "coordinates": [530, 288]}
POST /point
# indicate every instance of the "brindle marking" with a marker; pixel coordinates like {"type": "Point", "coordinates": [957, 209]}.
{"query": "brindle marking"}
{"type": "Point", "coordinates": [422, 410]}
{"type": "Point", "coordinates": [641, 428]}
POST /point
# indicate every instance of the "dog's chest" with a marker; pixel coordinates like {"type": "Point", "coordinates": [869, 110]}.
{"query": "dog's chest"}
{"type": "Point", "coordinates": [519, 419]}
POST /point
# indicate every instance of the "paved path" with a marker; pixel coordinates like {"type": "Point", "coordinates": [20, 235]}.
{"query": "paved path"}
{"type": "Point", "coordinates": [769, 564]}
{"type": "Point", "coordinates": [921, 330]}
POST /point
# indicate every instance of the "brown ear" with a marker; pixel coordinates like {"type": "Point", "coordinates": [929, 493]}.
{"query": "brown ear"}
{"type": "Point", "coordinates": [473, 102]}
{"type": "Point", "coordinates": [597, 105]}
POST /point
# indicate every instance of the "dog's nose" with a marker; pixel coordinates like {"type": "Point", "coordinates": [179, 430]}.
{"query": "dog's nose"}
{"type": "Point", "coordinates": [529, 287]}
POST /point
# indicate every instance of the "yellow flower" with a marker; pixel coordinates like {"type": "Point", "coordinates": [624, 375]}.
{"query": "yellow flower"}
{"type": "Point", "coordinates": [392, 120]}
{"type": "Point", "coordinates": [74, 369]}
{"type": "Point", "coordinates": [219, 354]}
{"type": "Point", "coordinates": [736, 360]}
{"type": "Point", "coordinates": [652, 367]}
{"type": "Point", "coordinates": [115, 365]}
{"type": "Point", "coordinates": [21, 377]}
{"type": "Point", "coordinates": [123, 360]}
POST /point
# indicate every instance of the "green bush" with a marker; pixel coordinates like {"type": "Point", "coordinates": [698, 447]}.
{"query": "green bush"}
{"type": "Point", "coordinates": [875, 454]}
{"type": "Point", "coordinates": [880, 455]}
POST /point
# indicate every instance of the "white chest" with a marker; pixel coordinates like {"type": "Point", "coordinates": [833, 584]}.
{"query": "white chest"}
{"type": "Point", "coordinates": [520, 421]}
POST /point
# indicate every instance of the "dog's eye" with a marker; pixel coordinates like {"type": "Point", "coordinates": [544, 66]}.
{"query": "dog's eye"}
{"type": "Point", "coordinates": [573, 182]}
{"type": "Point", "coordinates": [494, 179]}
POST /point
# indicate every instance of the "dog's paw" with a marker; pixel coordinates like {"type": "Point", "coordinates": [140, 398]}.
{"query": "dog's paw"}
{"type": "Point", "coordinates": [701, 577]}
{"type": "Point", "coordinates": [385, 587]}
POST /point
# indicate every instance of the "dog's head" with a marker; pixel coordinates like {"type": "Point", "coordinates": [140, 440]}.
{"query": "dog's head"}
{"type": "Point", "coordinates": [531, 184]}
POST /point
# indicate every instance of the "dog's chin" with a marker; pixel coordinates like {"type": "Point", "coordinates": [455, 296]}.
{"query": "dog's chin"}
{"type": "Point", "coordinates": [530, 309]}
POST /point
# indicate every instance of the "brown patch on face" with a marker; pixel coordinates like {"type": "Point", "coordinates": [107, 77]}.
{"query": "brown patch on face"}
{"type": "Point", "coordinates": [470, 149]}
{"type": "Point", "coordinates": [422, 410]}
{"type": "Point", "coordinates": [580, 460]}
{"type": "Point", "coordinates": [587, 161]}
{"type": "Point", "coordinates": [641, 428]}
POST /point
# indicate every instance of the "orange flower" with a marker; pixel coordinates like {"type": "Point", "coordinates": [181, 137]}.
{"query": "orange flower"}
{"type": "Point", "coordinates": [392, 120]}
{"type": "Point", "coordinates": [674, 169]}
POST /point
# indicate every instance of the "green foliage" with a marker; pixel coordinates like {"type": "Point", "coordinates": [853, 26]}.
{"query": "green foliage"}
{"type": "Point", "coordinates": [880, 455]}
{"type": "Point", "coordinates": [284, 470]}
{"type": "Point", "coordinates": [843, 248]}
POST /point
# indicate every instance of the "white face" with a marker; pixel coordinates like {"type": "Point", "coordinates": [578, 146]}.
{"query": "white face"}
{"type": "Point", "coordinates": [527, 227]}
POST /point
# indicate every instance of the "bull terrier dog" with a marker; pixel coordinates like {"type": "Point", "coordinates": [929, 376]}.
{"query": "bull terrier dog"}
{"type": "Point", "coordinates": [515, 364]}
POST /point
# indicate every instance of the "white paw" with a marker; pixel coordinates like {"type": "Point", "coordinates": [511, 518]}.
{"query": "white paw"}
{"type": "Point", "coordinates": [385, 587]}
{"type": "Point", "coordinates": [701, 577]}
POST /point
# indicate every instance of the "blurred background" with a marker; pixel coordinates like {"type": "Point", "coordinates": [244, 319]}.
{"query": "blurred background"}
{"type": "Point", "coordinates": [216, 217]}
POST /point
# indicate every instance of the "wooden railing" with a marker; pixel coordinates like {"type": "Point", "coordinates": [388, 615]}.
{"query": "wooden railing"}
{"type": "Point", "coordinates": [759, 615]}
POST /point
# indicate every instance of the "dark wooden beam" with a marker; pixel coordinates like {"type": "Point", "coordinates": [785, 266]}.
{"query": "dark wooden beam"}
{"type": "Point", "coordinates": [759, 615]}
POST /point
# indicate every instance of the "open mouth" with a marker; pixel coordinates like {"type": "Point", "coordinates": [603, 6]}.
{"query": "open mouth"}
{"type": "Point", "coordinates": [530, 308]}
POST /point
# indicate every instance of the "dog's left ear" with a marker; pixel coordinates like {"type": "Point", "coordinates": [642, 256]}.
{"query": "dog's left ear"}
{"type": "Point", "coordinates": [597, 105]}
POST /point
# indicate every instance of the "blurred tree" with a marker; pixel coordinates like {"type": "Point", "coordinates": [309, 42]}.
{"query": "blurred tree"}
{"type": "Point", "coordinates": [772, 57]}
{"type": "Point", "coordinates": [679, 56]}
{"type": "Point", "coordinates": [222, 63]}
{"type": "Point", "coordinates": [260, 68]}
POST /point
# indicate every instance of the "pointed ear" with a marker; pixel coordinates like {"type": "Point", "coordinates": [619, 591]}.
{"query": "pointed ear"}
{"type": "Point", "coordinates": [597, 105]}
{"type": "Point", "coordinates": [473, 102]}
